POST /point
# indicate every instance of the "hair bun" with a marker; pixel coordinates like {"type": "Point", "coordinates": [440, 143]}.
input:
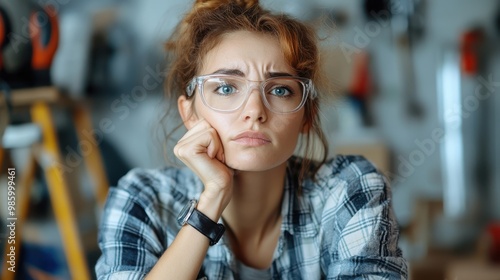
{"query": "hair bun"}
{"type": "Point", "coordinates": [211, 4]}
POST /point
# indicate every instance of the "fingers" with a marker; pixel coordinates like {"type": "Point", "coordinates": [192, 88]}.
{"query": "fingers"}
{"type": "Point", "coordinates": [198, 126]}
{"type": "Point", "coordinates": [202, 138]}
{"type": "Point", "coordinates": [201, 150]}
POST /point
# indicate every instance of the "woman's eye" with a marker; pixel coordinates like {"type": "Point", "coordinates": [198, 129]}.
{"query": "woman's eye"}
{"type": "Point", "coordinates": [225, 90]}
{"type": "Point", "coordinates": [280, 91]}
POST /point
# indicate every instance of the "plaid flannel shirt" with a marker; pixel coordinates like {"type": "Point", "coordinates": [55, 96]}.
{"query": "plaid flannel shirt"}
{"type": "Point", "coordinates": [340, 226]}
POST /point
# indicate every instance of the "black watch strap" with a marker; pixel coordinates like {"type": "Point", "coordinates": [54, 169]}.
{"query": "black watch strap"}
{"type": "Point", "coordinates": [206, 226]}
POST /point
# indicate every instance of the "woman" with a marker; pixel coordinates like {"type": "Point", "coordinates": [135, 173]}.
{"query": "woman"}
{"type": "Point", "coordinates": [245, 207]}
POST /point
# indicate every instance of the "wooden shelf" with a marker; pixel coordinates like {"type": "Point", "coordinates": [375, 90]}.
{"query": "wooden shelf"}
{"type": "Point", "coordinates": [29, 96]}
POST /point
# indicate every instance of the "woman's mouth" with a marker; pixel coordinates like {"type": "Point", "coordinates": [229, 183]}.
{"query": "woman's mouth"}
{"type": "Point", "coordinates": [252, 138]}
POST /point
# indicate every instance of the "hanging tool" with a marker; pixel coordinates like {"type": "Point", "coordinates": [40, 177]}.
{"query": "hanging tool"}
{"type": "Point", "coordinates": [44, 30]}
{"type": "Point", "coordinates": [470, 51]}
{"type": "Point", "coordinates": [407, 27]}
{"type": "Point", "coordinates": [361, 87]}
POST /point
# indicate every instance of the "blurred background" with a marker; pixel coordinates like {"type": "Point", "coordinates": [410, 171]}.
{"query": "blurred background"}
{"type": "Point", "coordinates": [415, 87]}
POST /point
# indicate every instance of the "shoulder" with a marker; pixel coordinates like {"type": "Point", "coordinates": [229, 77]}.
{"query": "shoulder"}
{"type": "Point", "coordinates": [347, 168]}
{"type": "Point", "coordinates": [346, 172]}
{"type": "Point", "coordinates": [343, 186]}
{"type": "Point", "coordinates": [357, 223]}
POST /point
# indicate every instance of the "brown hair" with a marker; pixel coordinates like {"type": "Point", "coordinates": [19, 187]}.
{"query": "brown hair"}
{"type": "Point", "coordinates": [202, 29]}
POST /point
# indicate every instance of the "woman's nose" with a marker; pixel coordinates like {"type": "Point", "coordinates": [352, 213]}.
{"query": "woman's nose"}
{"type": "Point", "coordinates": [255, 109]}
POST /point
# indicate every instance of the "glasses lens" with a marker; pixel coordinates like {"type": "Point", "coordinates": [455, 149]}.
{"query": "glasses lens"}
{"type": "Point", "coordinates": [224, 93]}
{"type": "Point", "coordinates": [284, 95]}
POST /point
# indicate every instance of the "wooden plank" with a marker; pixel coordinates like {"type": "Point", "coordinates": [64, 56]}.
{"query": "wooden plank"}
{"type": "Point", "coordinates": [28, 96]}
{"type": "Point", "coordinates": [59, 194]}
{"type": "Point", "coordinates": [93, 158]}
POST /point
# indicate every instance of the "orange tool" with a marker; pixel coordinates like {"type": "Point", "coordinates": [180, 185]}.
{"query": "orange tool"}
{"type": "Point", "coordinates": [44, 30]}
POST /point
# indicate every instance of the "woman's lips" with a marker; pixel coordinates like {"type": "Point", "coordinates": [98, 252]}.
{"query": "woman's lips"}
{"type": "Point", "coordinates": [252, 138]}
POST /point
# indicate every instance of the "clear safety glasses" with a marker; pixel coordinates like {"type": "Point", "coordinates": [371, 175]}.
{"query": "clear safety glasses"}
{"type": "Point", "coordinates": [227, 93]}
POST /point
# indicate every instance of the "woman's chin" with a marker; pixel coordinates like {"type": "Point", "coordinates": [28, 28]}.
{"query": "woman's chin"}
{"type": "Point", "coordinates": [253, 164]}
{"type": "Point", "coordinates": [242, 165]}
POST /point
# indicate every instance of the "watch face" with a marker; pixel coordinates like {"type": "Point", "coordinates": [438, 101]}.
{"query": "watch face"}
{"type": "Point", "coordinates": [186, 212]}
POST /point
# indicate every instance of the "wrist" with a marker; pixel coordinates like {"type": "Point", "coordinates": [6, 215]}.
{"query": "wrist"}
{"type": "Point", "coordinates": [190, 215]}
{"type": "Point", "coordinates": [212, 205]}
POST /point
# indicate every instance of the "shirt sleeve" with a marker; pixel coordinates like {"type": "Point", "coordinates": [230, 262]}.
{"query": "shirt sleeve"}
{"type": "Point", "coordinates": [129, 233]}
{"type": "Point", "coordinates": [362, 229]}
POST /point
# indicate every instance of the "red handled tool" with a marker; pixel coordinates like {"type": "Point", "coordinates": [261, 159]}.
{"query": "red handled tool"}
{"type": "Point", "coordinates": [470, 51]}
{"type": "Point", "coordinates": [44, 30]}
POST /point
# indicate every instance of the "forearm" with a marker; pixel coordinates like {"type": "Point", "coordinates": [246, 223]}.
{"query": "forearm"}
{"type": "Point", "coordinates": [184, 257]}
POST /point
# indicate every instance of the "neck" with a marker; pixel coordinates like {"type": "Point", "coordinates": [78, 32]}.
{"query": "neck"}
{"type": "Point", "coordinates": [255, 207]}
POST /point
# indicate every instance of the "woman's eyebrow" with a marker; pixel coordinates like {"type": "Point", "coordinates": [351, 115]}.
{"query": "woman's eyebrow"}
{"type": "Point", "coordinates": [278, 74]}
{"type": "Point", "coordinates": [226, 71]}
{"type": "Point", "coordinates": [240, 73]}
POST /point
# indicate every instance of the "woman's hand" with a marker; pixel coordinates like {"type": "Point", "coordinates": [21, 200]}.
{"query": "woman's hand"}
{"type": "Point", "coordinates": [202, 151]}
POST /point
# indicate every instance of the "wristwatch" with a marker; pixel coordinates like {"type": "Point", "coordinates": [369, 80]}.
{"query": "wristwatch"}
{"type": "Point", "coordinates": [190, 215]}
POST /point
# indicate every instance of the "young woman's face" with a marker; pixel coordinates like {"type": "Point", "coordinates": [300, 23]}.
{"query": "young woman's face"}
{"type": "Point", "coordinates": [271, 137]}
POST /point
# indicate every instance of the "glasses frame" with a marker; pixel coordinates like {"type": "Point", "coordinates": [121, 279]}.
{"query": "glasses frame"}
{"type": "Point", "coordinates": [200, 80]}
